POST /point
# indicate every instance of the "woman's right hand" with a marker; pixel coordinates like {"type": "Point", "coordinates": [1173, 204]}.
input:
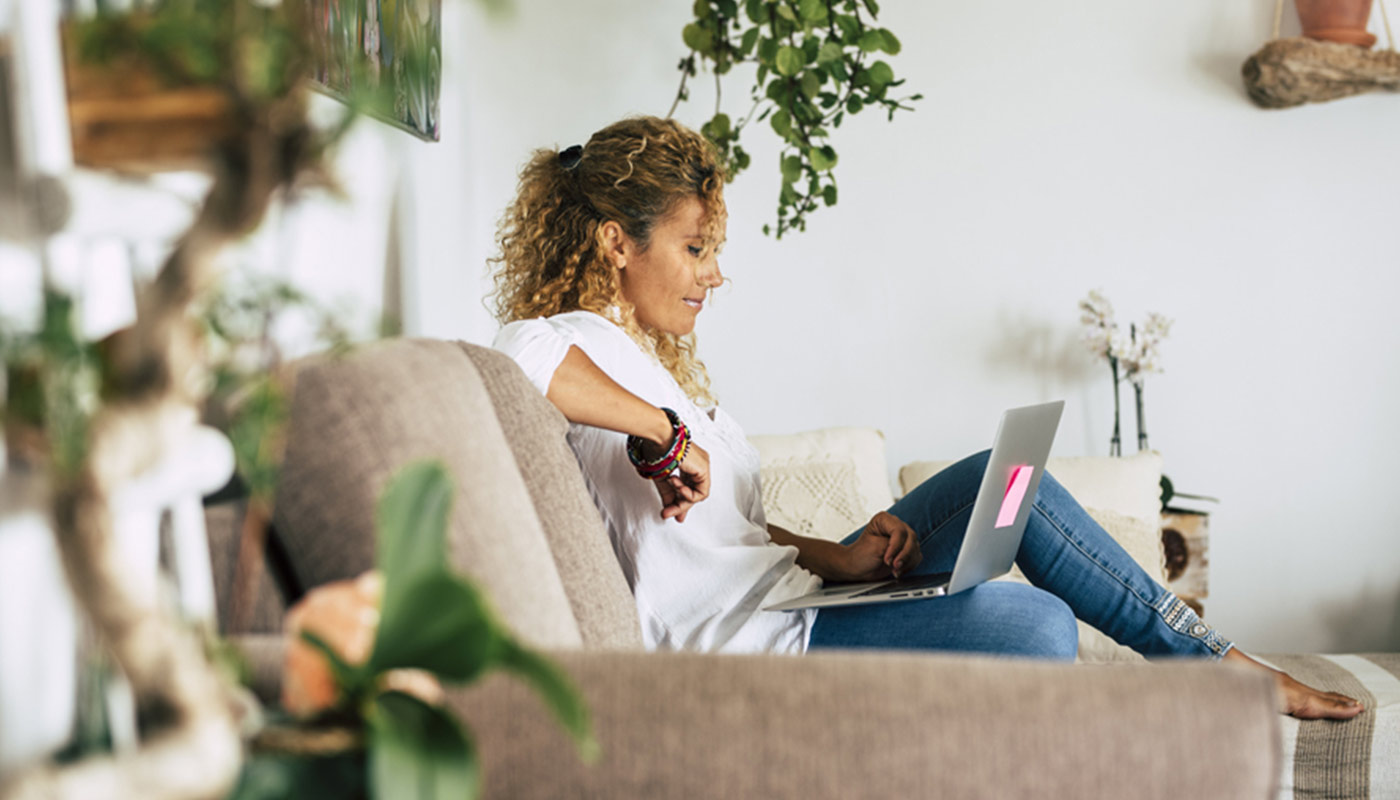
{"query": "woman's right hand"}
{"type": "Point", "coordinates": [686, 486]}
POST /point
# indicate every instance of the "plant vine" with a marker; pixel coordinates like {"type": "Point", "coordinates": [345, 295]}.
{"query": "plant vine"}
{"type": "Point", "coordinates": [814, 68]}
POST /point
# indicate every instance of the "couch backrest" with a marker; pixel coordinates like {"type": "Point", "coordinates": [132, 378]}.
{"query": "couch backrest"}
{"type": "Point", "coordinates": [357, 420]}
{"type": "Point", "coordinates": [602, 603]}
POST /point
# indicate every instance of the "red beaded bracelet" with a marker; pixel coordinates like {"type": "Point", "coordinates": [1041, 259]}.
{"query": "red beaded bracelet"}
{"type": "Point", "coordinates": [666, 465]}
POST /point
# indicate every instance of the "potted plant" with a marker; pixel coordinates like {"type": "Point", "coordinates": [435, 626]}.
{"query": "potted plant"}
{"type": "Point", "coordinates": [1341, 21]}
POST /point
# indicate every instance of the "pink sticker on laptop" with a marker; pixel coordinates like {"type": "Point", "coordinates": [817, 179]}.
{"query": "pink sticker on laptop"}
{"type": "Point", "coordinates": [1015, 493]}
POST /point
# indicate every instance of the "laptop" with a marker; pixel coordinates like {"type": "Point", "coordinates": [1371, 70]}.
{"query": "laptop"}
{"type": "Point", "coordinates": [999, 517]}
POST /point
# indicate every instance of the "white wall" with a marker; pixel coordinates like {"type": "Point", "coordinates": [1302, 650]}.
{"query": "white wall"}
{"type": "Point", "coordinates": [1060, 148]}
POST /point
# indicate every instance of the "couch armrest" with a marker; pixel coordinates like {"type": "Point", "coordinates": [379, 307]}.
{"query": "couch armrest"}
{"type": "Point", "coordinates": [844, 725]}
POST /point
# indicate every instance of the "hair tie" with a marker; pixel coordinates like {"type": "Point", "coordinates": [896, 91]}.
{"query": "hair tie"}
{"type": "Point", "coordinates": [569, 157]}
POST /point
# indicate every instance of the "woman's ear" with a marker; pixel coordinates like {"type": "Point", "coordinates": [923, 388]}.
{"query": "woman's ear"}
{"type": "Point", "coordinates": [613, 241]}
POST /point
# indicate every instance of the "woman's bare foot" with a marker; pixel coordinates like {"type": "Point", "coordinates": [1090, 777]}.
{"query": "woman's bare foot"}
{"type": "Point", "coordinates": [1300, 700]}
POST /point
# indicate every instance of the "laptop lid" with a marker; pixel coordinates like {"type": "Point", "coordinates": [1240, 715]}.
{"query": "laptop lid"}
{"type": "Point", "coordinates": [1007, 494]}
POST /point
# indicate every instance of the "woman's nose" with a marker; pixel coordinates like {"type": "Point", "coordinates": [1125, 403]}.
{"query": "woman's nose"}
{"type": "Point", "coordinates": [709, 274]}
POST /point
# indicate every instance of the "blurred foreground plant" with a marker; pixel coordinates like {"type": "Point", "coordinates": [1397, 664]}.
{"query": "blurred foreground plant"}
{"type": "Point", "coordinates": [366, 656]}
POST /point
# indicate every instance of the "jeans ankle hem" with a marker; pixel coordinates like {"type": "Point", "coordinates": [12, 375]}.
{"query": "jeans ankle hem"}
{"type": "Point", "coordinates": [1182, 619]}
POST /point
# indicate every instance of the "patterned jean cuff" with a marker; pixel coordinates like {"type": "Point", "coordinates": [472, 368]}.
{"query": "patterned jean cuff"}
{"type": "Point", "coordinates": [1182, 619]}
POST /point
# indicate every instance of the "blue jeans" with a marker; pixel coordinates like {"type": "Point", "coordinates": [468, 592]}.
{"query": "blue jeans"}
{"type": "Point", "coordinates": [1077, 569]}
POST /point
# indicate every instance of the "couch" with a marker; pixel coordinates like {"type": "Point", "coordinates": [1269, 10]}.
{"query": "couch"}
{"type": "Point", "coordinates": [826, 725]}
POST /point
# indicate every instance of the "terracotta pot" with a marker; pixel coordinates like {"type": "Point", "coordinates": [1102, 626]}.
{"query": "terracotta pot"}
{"type": "Point", "coordinates": [1341, 21]}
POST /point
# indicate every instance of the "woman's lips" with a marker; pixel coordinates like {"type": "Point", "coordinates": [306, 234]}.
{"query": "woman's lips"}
{"type": "Point", "coordinates": [695, 304]}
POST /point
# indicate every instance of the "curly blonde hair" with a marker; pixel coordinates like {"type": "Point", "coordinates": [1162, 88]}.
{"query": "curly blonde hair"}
{"type": "Point", "coordinates": [552, 259]}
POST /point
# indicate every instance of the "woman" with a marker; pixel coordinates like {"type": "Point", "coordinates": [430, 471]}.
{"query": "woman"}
{"type": "Point", "coordinates": [608, 254]}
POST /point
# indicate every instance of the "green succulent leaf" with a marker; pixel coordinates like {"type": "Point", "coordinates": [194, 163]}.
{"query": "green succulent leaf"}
{"type": "Point", "coordinates": [828, 52]}
{"type": "Point", "coordinates": [411, 527]}
{"type": "Point", "coordinates": [557, 691]}
{"type": "Point", "coordinates": [419, 751]}
{"type": "Point", "coordinates": [823, 158]}
{"type": "Point", "coordinates": [441, 624]}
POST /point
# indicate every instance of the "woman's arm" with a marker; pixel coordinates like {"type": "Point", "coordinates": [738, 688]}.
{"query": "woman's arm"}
{"type": "Point", "coordinates": [886, 547]}
{"type": "Point", "coordinates": [588, 396]}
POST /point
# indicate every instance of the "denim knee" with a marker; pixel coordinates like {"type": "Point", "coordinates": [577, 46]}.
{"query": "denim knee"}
{"type": "Point", "coordinates": [1045, 626]}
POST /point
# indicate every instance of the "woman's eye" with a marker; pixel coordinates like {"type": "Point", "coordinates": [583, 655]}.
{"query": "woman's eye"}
{"type": "Point", "coordinates": [695, 251]}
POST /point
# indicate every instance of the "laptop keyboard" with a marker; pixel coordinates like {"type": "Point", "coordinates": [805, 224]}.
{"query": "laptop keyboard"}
{"type": "Point", "coordinates": [913, 585]}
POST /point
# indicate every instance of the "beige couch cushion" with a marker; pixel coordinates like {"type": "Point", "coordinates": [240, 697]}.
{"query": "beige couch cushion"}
{"type": "Point", "coordinates": [1129, 486]}
{"type": "Point", "coordinates": [825, 483]}
{"type": "Point", "coordinates": [356, 421]}
{"type": "Point", "coordinates": [602, 604]}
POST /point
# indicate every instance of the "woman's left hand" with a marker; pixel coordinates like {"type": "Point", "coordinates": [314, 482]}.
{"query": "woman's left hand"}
{"type": "Point", "coordinates": [886, 547]}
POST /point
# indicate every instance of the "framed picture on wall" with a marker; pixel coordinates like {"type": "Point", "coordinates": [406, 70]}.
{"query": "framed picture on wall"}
{"type": "Point", "coordinates": [389, 51]}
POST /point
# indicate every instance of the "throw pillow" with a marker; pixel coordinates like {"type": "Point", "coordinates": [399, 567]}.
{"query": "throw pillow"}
{"type": "Point", "coordinates": [1129, 486]}
{"type": "Point", "coordinates": [824, 483]}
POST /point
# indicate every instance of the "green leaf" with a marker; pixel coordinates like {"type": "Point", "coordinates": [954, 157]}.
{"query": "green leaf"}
{"type": "Point", "coordinates": [829, 194]}
{"type": "Point", "coordinates": [728, 9]}
{"type": "Point", "coordinates": [557, 691]}
{"type": "Point", "coordinates": [411, 527]}
{"type": "Point", "coordinates": [442, 624]}
{"type": "Point", "coordinates": [419, 751]}
{"type": "Point", "coordinates": [823, 158]}
{"type": "Point", "coordinates": [871, 40]}
{"type": "Point", "coordinates": [767, 51]}
{"type": "Point", "coordinates": [812, 10]}
{"type": "Point", "coordinates": [837, 69]}
{"type": "Point", "coordinates": [755, 10]}
{"type": "Point", "coordinates": [811, 84]}
{"type": "Point", "coordinates": [697, 38]}
{"type": "Point", "coordinates": [279, 775]}
{"type": "Point", "coordinates": [879, 74]}
{"type": "Point", "coordinates": [348, 679]}
{"type": "Point", "coordinates": [789, 60]}
{"type": "Point", "coordinates": [719, 127]}
{"type": "Point", "coordinates": [850, 28]}
{"type": "Point", "coordinates": [829, 51]}
{"type": "Point", "coordinates": [873, 7]}
{"type": "Point", "coordinates": [749, 41]}
{"type": "Point", "coordinates": [701, 9]}
{"type": "Point", "coordinates": [785, 11]}
{"type": "Point", "coordinates": [792, 169]}
{"type": "Point", "coordinates": [782, 124]}
{"type": "Point", "coordinates": [891, 42]}
{"type": "Point", "coordinates": [854, 104]}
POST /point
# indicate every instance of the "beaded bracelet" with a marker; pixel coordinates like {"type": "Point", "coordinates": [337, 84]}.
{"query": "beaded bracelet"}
{"type": "Point", "coordinates": [666, 465]}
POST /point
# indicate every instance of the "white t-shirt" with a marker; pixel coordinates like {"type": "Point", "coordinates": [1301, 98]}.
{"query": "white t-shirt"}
{"type": "Point", "coordinates": [699, 584]}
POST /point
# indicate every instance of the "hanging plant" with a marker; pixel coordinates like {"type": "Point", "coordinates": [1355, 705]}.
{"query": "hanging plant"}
{"type": "Point", "coordinates": [817, 61]}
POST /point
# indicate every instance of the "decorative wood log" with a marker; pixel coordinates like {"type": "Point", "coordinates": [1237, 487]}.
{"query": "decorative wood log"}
{"type": "Point", "coordinates": [1291, 72]}
{"type": "Point", "coordinates": [1186, 550]}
